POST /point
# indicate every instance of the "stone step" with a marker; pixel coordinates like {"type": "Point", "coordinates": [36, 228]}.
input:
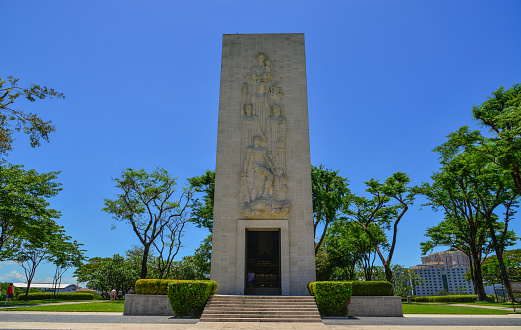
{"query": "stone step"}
{"type": "Point", "coordinates": [262, 312]}
{"type": "Point", "coordinates": [256, 319]}
{"type": "Point", "coordinates": [274, 301]}
{"type": "Point", "coordinates": [223, 308]}
{"type": "Point", "coordinates": [259, 303]}
{"type": "Point", "coordinates": [262, 308]}
{"type": "Point", "coordinates": [221, 296]}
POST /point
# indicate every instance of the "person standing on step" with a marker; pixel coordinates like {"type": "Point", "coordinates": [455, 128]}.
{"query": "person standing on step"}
{"type": "Point", "coordinates": [251, 278]}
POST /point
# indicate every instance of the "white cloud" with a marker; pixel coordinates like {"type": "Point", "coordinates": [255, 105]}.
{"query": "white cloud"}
{"type": "Point", "coordinates": [7, 263]}
{"type": "Point", "coordinates": [13, 276]}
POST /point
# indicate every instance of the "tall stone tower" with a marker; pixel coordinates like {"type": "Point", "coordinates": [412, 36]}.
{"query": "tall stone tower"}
{"type": "Point", "coordinates": [263, 212]}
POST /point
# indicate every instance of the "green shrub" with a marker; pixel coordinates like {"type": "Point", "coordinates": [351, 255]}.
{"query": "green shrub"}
{"type": "Point", "coordinates": [372, 288]}
{"type": "Point", "coordinates": [332, 297]}
{"type": "Point", "coordinates": [188, 298]}
{"type": "Point", "coordinates": [153, 286]}
{"type": "Point", "coordinates": [448, 298]}
{"type": "Point", "coordinates": [61, 295]}
{"type": "Point", "coordinates": [366, 288]}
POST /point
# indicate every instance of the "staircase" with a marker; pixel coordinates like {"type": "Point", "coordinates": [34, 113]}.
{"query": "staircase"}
{"type": "Point", "coordinates": [227, 308]}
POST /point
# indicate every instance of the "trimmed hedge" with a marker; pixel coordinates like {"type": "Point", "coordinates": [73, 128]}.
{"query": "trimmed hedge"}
{"type": "Point", "coordinates": [448, 298]}
{"type": "Point", "coordinates": [188, 298]}
{"type": "Point", "coordinates": [155, 286]}
{"type": "Point", "coordinates": [372, 288]}
{"type": "Point", "coordinates": [332, 297]}
{"type": "Point", "coordinates": [365, 288]}
{"type": "Point", "coordinates": [61, 295]}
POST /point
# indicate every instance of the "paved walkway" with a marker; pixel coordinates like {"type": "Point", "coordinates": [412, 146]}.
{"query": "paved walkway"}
{"type": "Point", "coordinates": [90, 320]}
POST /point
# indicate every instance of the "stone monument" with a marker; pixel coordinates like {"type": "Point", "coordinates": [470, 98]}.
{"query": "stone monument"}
{"type": "Point", "coordinates": [263, 212]}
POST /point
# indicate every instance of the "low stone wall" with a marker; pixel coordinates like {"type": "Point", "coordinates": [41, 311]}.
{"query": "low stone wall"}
{"type": "Point", "coordinates": [147, 304]}
{"type": "Point", "coordinates": [144, 304]}
{"type": "Point", "coordinates": [376, 306]}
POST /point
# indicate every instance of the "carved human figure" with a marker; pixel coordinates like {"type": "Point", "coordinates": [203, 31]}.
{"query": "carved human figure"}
{"type": "Point", "coordinates": [250, 125]}
{"type": "Point", "coordinates": [258, 166]}
{"type": "Point", "coordinates": [277, 135]}
{"type": "Point", "coordinates": [261, 74]}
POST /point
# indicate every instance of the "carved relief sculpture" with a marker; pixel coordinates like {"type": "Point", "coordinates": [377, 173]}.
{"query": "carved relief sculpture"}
{"type": "Point", "coordinates": [263, 183]}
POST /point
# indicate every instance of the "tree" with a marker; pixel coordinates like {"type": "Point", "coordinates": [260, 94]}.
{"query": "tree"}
{"type": "Point", "coordinates": [501, 114]}
{"type": "Point", "coordinates": [388, 204]}
{"type": "Point", "coordinates": [167, 246]}
{"type": "Point", "coordinates": [492, 272]}
{"type": "Point", "coordinates": [202, 211]}
{"type": "Point", "coordinates": [405, 280]}
{"type": "Point", "coordinates": [16, 120]}
{"type": "Point", "coordinates": [66, 254]}
{"type": "Point", "coordinates": [464, 227]}
{"type": "Point", "coordinates": [488, 186]}
{"type": "Point", "coordinates": [328, 189]}
{"type": "Point", "coordinates": [202, 258]}
{"type": "Point", "coordinates": [106, 274]}
{"type": "Point", "coordinates": [146, 203]}
{"type": "Point", "coordinates": [23, 205]}
{"type": "Point", "coordinates": [32, 251]}
{"type": "Point", "coordinates": [348, 246]}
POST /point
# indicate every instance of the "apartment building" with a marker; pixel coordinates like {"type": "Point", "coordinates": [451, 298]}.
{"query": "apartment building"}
{"type": "Point", "coordinates": [443, 271]}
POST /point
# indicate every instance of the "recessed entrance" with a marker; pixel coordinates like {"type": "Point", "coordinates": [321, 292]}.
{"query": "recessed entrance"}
{"type": "Point", "coordinates": [263, 257]}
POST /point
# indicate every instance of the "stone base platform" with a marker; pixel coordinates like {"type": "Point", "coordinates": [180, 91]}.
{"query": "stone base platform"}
{"type": "Point", "coordinates": [389, 306]}
{"type": "Point", "coordinates": [376, 306]}
{"type": "Point", "coordinates": [147, 304]}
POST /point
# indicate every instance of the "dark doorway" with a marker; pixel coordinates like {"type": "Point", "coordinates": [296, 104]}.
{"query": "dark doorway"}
{"type": "Point", "coordinates": [263, 257]}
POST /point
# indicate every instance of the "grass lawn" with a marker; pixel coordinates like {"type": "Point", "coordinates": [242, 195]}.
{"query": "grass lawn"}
{"type": "Point", "coordinates": [415, 308]}
{"type": "Point", "coordinates": [38, 302]}
{"type": "Point", "coordinates": [499, 304]}
{"type": "Point", "coordinates": [116, 306]}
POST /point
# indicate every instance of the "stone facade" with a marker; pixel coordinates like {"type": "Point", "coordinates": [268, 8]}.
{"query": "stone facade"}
{"type": "Point", "coordinates": [263, 168]}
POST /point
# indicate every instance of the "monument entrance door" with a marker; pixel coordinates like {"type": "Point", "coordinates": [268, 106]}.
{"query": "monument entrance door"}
{"type": "Point", "coordinates": [263, 258]}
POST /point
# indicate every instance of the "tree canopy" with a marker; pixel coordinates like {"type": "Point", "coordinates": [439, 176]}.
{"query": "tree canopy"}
{"type": "Point", "coordinates": [15, 120]}
{"type": "Point", "coordinates": [24, 209]}
{"type": "Point", "coordinates": [147, 203]}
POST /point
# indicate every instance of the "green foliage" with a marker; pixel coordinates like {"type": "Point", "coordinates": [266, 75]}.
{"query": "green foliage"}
{"type": "Point", "coordinates": [448, 298]}
{"type": "Point", "coordinates": [362, 288]}
{"type": "Point", "coordinates": [501, 114]}
{"type": "Point", "coordinates": [347, 247]}
{"type": "Point", "coordinates": [491, 269]}
{"type": "Point", "coordinates": [60, 295]}
{"type": "Point", "coordinates": [405, 280]}
{"type": "Point", "coordinates": [372, 288]}
{"type": "Point", "coordinates": [12, 120]}
{"type": "Point", "coordinates": [328, 190]}
{"type": "Point", "coordinates": [188, 298]}
{"type": "Point", "coordinates": [386, 206]}
{"type": "Point", "coordinates": [3, 289]}
{"type": "Point", "coordinates": [160, 286]}
{"type": "Point", "coordinates": [106, 274]}
{"type": "Point", "coordinates": [202, 210]}
{"type": "Point", "coordinates": [147, 204]}
{"type": "Point", "coordinates": [24, 209]}
{"type": "Point", "coordinates": [332, 297]}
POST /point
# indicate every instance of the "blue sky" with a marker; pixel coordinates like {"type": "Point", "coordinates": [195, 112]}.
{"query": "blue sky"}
{"type": "Point", "coordinates": [387, 81]}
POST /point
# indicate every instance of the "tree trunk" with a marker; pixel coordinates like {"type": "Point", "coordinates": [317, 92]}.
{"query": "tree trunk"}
{"type": "Point", "coordinates": [478, 278]}
{"type": "Point", "coordinates": [499, 255]}
{"type": "Point", "coordinates": [388, 273]}
{"type": "Point", "coordinates": [144, 269]}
